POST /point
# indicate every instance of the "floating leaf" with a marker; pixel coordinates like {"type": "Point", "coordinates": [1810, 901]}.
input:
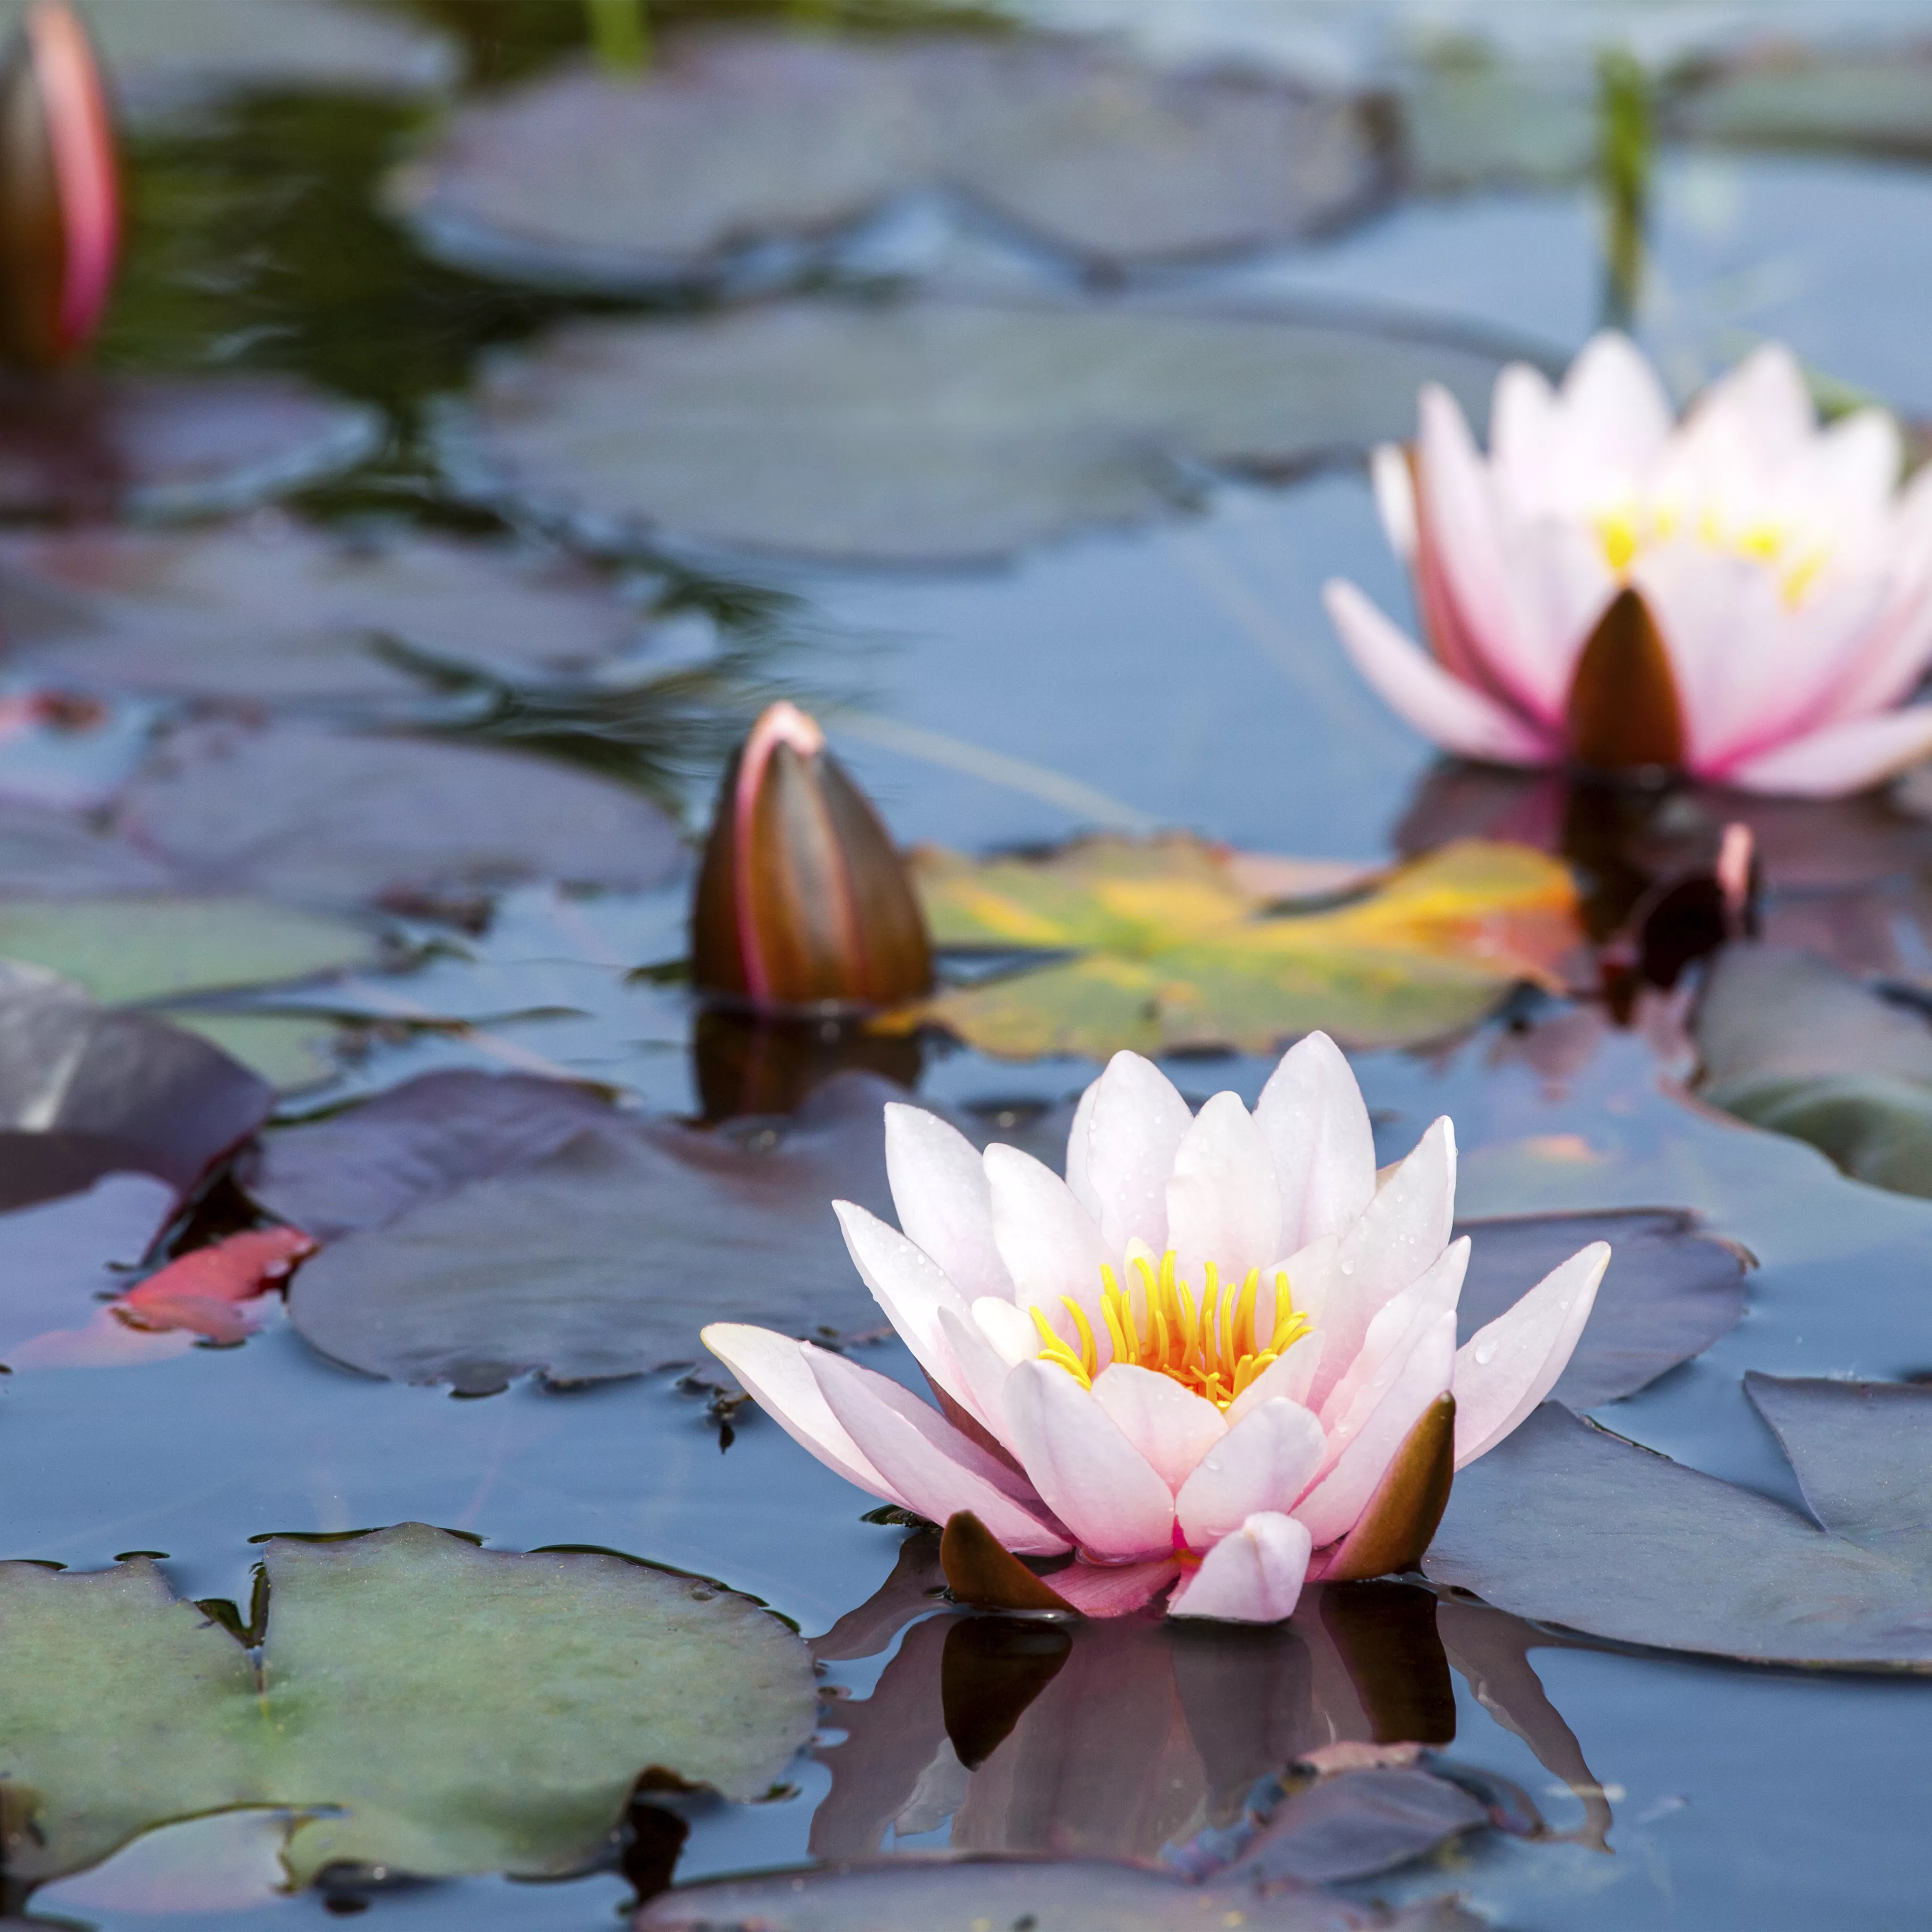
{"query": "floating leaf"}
{"type": "Point", "coordinates": [605, 1256]}
{"type": "Point", "coordinates": [582, 180]}
{"type": "Point", "coordinates": [468, 1711]}
{"type": "Point", "coordinates": [1793, 1044]}
{"type": "Point", "coordinates": [1670, 1293]}
{"type": "Point", "coordinates": [1066, 1895]}
{"type": "Point", "coordinates": [363, 1168]}
{"type": "Point", "coordinates": [1569, 1525]}
{"type": "Point", "coordinates": [274, 610]}
{"type": "Point", "coordinates": [324, 818]}
{"type": "Point", "coordinates": [289, 1051]}
{"type": "Point", "coordinates": [1171, 951]}
{"type": "Point", "coordinates": [87, 446]}
{"type": "Point", "coordinates": [146, 1095]}
{"type": "Point", "coordinates": [925, 429]}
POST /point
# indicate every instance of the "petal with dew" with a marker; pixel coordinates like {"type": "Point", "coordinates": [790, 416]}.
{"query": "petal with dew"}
{"type": "Point", "coordinates": [1078, 1183]}
{"type": "Point", "coordinates": [908, 1285]}
{"type": "Point", "coordinates": [1048, 1240]}
{"type": "Point", "coordinates": [1288, 1375]}
{"type": "Point", "coordinates": [1253, 1576]}
{"type": "Point", "coordinates": [1137, 1123]}
{"type": "Point", "coordinates": [1263, 1462]}
{"type": "Point", "coordinates": [1316, 1123]}
{"type": "Point", "coordinates": [1506, 1367]}
{"type": "Point", "coordinates": [980, 1368]}
{"type": "Point", "coordinates": [940, 1193]}
{"type": "Point", "coordinates": [777, 1372]}
{"type": "Point", "coordinates": [1331, 1509]}
{"type": "Point", "coordinates": [937, 1470]}
{"type": "Point", "coordinates": [1840, 759]}
{"type": "Point", "coordinates": [1392, 1333]}
{"type": "Point", "coordinates": [1223, 1201]}
{"type": "Point", "coordinates": [1446, 711]}
{"type": "Point", "coordinates": [1086, 1471]}
{"type": "Point", "coordinates": [1171, 1426]}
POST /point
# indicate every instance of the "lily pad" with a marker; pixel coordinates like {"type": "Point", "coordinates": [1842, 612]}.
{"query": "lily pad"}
{"type": "Point", "coordinates": [86, 446]}
{"type": "Point", "coordinates": [1067, 1895]}
{"type": "Point", "coordinates": [273, 610]}
{"type": "Point", "coordinates": [1792, 1043]}
{"type": "Point", "coordinates": [926, 430]}
{"type": "Point", "coordinates": [1172, 948]}
{"type": "Point", "coordinates": [1567, 1524]}
{"type": "Point", "coordinates": [580, 180]}
{"type": "Point", "coordinates": [1670, 1293]}
{"type": "Point", "coordinates": [328, 819]}
{"type": "Point", "coordinates": [363, 1168]}
{"type": "Point", "coordinates": [605, 1256]}
{"type": "Point", "coordinates": [150, 1096]}
{"type": "Point", "coordinates": [164, 54]}
{"type": "Point", "coordinates": [468, 1711]}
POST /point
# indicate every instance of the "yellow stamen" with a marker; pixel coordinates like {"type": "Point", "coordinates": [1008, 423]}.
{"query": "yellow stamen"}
{"type": "Point", "coordinates": [1089, 1355]}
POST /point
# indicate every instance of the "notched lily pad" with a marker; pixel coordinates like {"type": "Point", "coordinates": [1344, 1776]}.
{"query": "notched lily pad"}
{"type": "Point", "coordinates": [604, 1254]}
{"type": "Point", "coordinates": [924, 430]}
{"type": "Point", "coordinates": [85, 446]}
{"type": "Point", "coordinates": [273, 610]}
{"type": "Point", "coordinates": [329, 819]}
{"type": "Point", "coordinates": [1173, 945]}
{"type": "Point", "coordinates": [581, 180]}
{"type": "Point", "coordinates": [468, 1711]}
{"type": "Point", "coordinates": [1670, 1293]}
{"type": "Point", "coordinates": [1567, 1524]}
{"type": "Point", "coordinates": [1792, 1043]}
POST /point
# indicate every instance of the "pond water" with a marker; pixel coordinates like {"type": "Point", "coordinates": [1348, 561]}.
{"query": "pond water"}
{"type": "Point", "coordinates": [1152, 652]}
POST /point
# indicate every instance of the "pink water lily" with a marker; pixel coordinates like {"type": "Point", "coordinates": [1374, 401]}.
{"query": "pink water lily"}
{"type": "Point", "coordinates": [1744, 595]}
{"type": "Point", "coordinates": [1195, 1359]}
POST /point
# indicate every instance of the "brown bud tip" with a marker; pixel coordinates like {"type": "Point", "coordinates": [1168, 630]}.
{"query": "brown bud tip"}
{"type": "Point", "coordinates": [60, 197]}
{"type": "Point", "coordinates": [980, 1570]}
{"type": "Point", "coordinates": [1623, 712]}
{"type": "Point", "coordinates": [1393, 1532]}
{"type": "Point", "coordinates": [802, 898]}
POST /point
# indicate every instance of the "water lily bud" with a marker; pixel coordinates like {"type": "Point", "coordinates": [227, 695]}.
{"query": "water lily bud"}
{"type": "Point", "coordinates": [803, 900]}
{"type": "Point", "coordinates": [60, 196]}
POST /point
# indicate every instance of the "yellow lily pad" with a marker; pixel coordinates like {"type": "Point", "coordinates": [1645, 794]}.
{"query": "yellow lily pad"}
{"type": "Point", "coordinates": [1172, 942]}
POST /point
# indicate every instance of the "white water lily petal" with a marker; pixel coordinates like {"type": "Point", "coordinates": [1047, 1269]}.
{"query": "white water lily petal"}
{"type": "Point", "coordinates": [1047, 1240]}
{"type": "Point", "coordinates": [1263, 1462]}
{"type": "Point", "coordinates": [1395, 497]}
{"type": "Point", "coordinates": [940, 1193]}
{"type": "Point", "coordinates": [1171, 1426]}
{"type": "Point", "coordinates": [1253, 1576]}
{"type": "Point", "coordinates": [1223, 1201]}
{"type": "Point", "coordinates": [907, 1284]}
{"type": "Point", "coordinates": [1009, 1331]}
{"type": "Point", "coordinates": [936, 1469]}
{"type": "Point", "coordinates": [1137, 1124]}
{"type": "Point", "coordinates": [776, 1371]}
{"type": "Point", "coordinates": [1086, 1471]}
{"type": "Point", "coordinates": [1392, 1333]}
{"type": "Point", "coordinates": [979, 1372]}
{"type": "Point", "coordinates": [1291, 1375]}
{"type": "Point", "coordinates": [1078, 1183]}
{"type": "Point", "coordinates": [1316, 1124]}
{"type": "Point", "coordinates": [1508, 1366]}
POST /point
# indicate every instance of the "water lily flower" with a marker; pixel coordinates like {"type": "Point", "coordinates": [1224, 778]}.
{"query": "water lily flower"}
{"type": "Point", "coordinates": [1221, 1352]}
{"type": "Point", "coordinates": [1743, 596]}
{"type": "Point", "coordinates": [60, 198]}
{"type": "Point", "coordinates": [802, 899]}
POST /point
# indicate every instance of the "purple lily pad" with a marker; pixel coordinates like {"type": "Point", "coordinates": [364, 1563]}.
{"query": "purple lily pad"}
{"type": "Point", "coordinates": [82, 446]}
{"type": "Point", "coordinates": [1670, 1293]}
{"type": "Point", "coordinates": [580, 180]}
{"type": "Point", "coordinates": [297, 812]}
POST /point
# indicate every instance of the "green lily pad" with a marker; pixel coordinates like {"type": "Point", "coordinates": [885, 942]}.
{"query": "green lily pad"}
{"type": "Point", "coordinates": [1567, 1524]}
{"type": "Point", "coordinates": [1794, 1044]}
{"type": "Point", "coordinates": [1172, 948]}
{"type": "Point", "coordinates": [926, 430]}
{"type": "Point", "coordinates": [468, 1711]}
{"type": "Point", "coordinates": [289, 1051]}
{"type": "Point", "coordinates": [580, 179]}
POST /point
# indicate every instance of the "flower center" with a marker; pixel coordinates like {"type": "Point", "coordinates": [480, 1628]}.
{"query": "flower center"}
{"type": "Point", "coordinates": [1210, 1347]}
{"type": "Point", "coordinates": [1626, 529]}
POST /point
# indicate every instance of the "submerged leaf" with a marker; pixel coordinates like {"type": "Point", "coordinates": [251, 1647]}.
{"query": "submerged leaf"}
{"type": "Point", "coordinates": [580, 179]}
{"type": "Point", "coordinates": [1669, 1294]}
{"type": "Point", "coordinates": [924, 430]}
{"type": "Point", "coordinates": [326, 818]}
{"type": "Point", "coordinates": [1171, 950]}
{"type": "Point", "coordinates": [1570, 1524]}
{"type": "Point", "coordinates": [468, 1711]}
{"type": "Point", "coordinates": [604, 1253]}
